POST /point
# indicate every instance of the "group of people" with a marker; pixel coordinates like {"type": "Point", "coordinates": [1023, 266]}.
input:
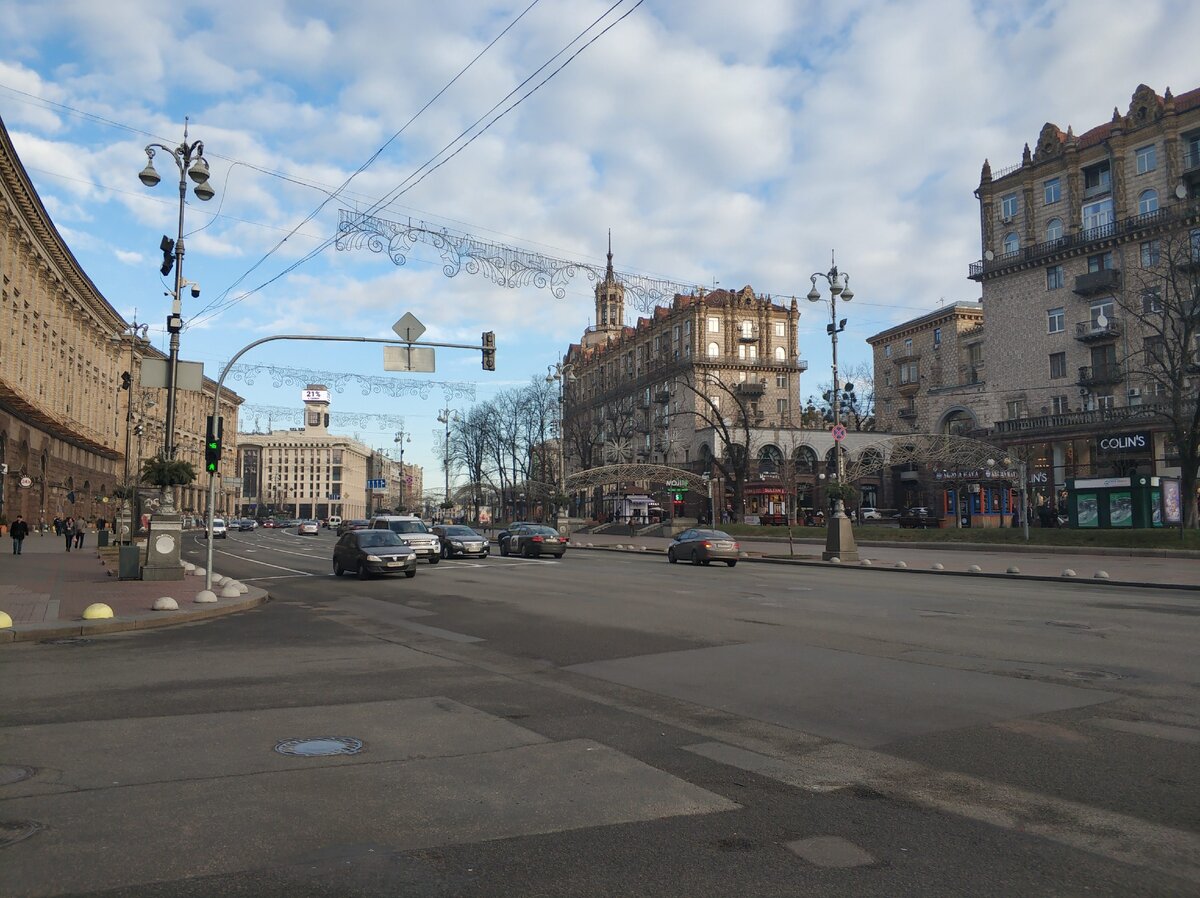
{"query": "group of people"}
{"type": "Point", "coordinates": [73, 529]}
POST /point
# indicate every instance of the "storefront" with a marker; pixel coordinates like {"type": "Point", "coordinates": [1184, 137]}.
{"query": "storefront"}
{"type": "Point", "coordinates": [978, 497]}
{"type": "Point", "coordinates": [1124, 502]}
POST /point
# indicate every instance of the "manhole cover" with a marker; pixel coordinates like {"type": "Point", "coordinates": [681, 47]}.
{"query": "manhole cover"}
{"type": "Point", "coordinates": [320, 746]}
{"type": "Point", "coordinates": [66, 640]}
{"type": "Point", "coordinates": [14, 831]}
{"type": "Point", "coordinates": [14, 773]}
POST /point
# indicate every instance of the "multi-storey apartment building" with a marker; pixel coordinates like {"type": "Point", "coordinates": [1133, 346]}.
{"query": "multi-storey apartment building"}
{"type": "Point", "coordinates": [691, 386]}
{"type": "Point", "coordinates": [1077, 239]}
{"type": "Point", "coordinates": [73, 427]}
{"type": "Point", "coordinates": [308, 472]}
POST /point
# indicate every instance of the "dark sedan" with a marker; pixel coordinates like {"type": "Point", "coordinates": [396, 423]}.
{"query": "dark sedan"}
{"type": "Point", "coordinates": [703, 547]}
{"type": "Point", "coordinates": [459, 540]}
{"type": "Point", "coordinates": [349, 524]}
{"type": "Point", "coordinates": [367, 552]}
{"type": "Point", "coordinates": [532, 541]}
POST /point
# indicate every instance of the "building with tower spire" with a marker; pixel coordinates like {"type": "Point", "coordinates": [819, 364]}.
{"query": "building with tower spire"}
{"type": "Point", "coordinates": [610, 306]}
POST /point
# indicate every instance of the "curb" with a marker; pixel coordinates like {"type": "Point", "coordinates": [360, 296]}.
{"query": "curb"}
{"type": "Point", "coordinates": [884, 568]}
{"type": "Point", "coordinates": [138, 621]}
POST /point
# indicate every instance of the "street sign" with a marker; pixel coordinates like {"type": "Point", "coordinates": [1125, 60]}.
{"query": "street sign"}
{"type": "Point", "coordinates": [408, 358]}
{"type": "Point", "coordinates": [839, 432]}
{"type": "Point", "coordinates": [408, 328]}
{"type": "Point", "coordinates": [379, 484]}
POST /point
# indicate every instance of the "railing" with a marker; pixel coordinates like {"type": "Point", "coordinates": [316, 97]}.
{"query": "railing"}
{"type": "Point", "coordinates": [907, 413]}
{"type": "Point", "coordinates": [1083, 238]}
{"type": "Point", "coordinates": [1095, 375]}
{"type": "Point", "coordinates": [751, 337]}
{"type": "Point", "coordinates": [1067, 420]}
{"type": "Point", "coordinates": [1095, 331]}
{"type": "Point", "coordinates": [1097, 281]}
{"type": "Point", "coordinates": [751, 387]}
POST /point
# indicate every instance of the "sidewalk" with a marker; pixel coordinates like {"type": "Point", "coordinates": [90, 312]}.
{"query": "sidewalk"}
{"type": "Point", "coordinates": [45, 590]}
{"type": "Point", "coordinates": [1157, 569]}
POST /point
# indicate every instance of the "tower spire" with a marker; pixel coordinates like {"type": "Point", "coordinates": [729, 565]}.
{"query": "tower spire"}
{"type": "Point", "coordinates": [608, 274]}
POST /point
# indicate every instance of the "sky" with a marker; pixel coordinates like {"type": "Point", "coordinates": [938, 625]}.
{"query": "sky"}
{"type": "Point", "coordinates": [722, 144]}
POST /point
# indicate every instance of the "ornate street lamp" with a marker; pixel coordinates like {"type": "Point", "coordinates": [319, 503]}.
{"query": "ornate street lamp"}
{"type": "Point", "coordinates": [564, 373]}
{"type": "Point", "coordinates": [839, 535]}
{"type": "Point", "coordinates": [447, 416]}
{"type": "Point", "coordinates": [189, 159]}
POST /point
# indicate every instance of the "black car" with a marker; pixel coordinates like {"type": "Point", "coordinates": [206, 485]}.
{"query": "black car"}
{"type": "Point", "coordinates": [460, 540]}
{"type": "Point", "coordinates": [918, 517]}
{"type": "Point", "coordinates": [532, 541]}
{"type": "Point", "coordinates": [349, 524]}
{"type": "Point", "coordinates": [367, 552]}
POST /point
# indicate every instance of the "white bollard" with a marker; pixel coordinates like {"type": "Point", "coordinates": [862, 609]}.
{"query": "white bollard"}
{"type": "Point", "coordinates": [1101, 575]}
{"type": "Point", "coordinates": [974, 569]}
{"type": "Point", "coordinates": [1013, 569]}
{"type": "Point", "coordinates": [901, 564]}
{"type": "Point", "coordinates": [1068, 573]}
{"type": "Point", "coordinates": [937, 566]}
{"type": "Point", "coordinates": [166, 603]}
{"type": "Point", "coordinates": [229, 591]}
{"type": "Point", "coordinates": [205, 596]}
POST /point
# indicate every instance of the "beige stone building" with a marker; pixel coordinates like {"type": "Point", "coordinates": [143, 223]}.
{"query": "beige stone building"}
{"type": "Point", "coordinates": [67, 426]}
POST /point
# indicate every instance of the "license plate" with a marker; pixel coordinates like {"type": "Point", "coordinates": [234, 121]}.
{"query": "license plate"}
{"type": "Point", "coordinates": [395, 564]}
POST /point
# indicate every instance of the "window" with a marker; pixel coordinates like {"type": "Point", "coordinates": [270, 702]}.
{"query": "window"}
{"type": "Point", "coordinates": [1146, 160]}
{"type": "Point", "coordinates": [1052, 191]}
{"type": "Point", "coordinates": [781, 407]}
{"type": "Point", "coordinates": [1152, 301]}
{"type": "Point", "coordinates": [1105, 401]}
{"type": "Point", "coordinates": [1054, 229]}
{"type": "Point", "coordinates": [909, 373]}
{"type": "Point", "coordinates": [747, 353]}
{"type": "Point", "coordinates": [1100, 262]}
{"type": "Point", "coordinates": [714, 324]}
{"type": "Point", "coordinates": [908, 346]}
{"type": "Point", "coordinates": [780, 354]}
{"type": "Point", "coordinates": [748, 330]}
{"type": "Point", "coordinates": [1097, 179]}
{"type": "Point", "coordinates": [1058, 365]}
{"type": "Point", "coordinates": [937, 337]}
{"type": "Point", "coordinates": [1054, 277]}
{"type": "Point", "coordinates": [1098, 215]}
{"type": "Point", "coordinates": [779, 329]}
{"type": "Point", "coordinates": [714, 402]}
{"type": "Point", "coordinates": [1152, 348]}
{"type": "Point", "coordinates": [887, 351]}
{"type": "Point", "coordinates": [781, 381]}
{"type": "Point", "coordinates": [1056, 321]}
{"type": "Point", "coordinates": [1015, 408]}
{"type": "Point", "coordinates": [1059, 405]}
{"type": "Point", "coordinates": [713, 349]}
{"type": "Point", "coordinates": [1008, 206]}
{"type": "Point", "coordinates": [1151, 251]}
{"type": "Point", "coordinates": [675, 333]}
{"type": "Point", "coordinates": [687, 327]}
{"type": "Point", "coordinates": [1102, 313]}
{"type": "Point", "coordinates": [887, 378]}
{"type": "Point", "coordinates": [1147, 202]}
{"type": "Point", "coordinates": [1011, 243]}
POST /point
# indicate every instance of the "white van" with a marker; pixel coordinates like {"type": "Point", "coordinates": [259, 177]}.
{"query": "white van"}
{"type": "Point", "coordinates": [334, 522]}
{"type": "Point", "coordinates": [219, 530]}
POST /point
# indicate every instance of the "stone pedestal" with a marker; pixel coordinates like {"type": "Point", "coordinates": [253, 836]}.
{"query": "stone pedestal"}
{"type": "Point", "coordinates": [839, 540]}
{"type": "Point", "coordinates": [162, 548]}
{"type": "Point", "coordinates": [124, 528]}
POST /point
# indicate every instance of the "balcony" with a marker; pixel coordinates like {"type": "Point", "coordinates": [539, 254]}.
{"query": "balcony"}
{"type": "Point", "coordinates": [913, 355]}
{"type": "Point", "coordinates": [975, 375]}
{"type": "Point", "coordinates": [1067, 422]}
{"type": "Point", "coordinates": [1104, 281]}
{"type": "Point", "coordinates": [907, 414]}
{"type": "Point", "coordinates": [801, 365]}
{"type": "Point", "coordinates": [750, 336]}
{"type": "Point", "coordinates": [750, 388]}
{"type": "Point", "coordinates": [1097, 332]}
{"type": "Point", "coordinates": [909, 388]}
{"type": "Point", "coordinates": [1100, 375]}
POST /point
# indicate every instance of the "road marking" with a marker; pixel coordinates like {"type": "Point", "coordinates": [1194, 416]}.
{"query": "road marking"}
{"type": "Point", "coordinates": [1094, 830]}
{"type": "Point", "coordinates": [277, 567]}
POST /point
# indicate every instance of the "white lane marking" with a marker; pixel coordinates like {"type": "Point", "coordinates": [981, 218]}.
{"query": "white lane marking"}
{"type": "Point", "coordinates": [277, 567]}
{"type": "Point", "coordinates": [278, 577]}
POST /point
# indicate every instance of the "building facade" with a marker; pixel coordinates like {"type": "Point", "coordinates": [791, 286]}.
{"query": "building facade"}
{"type": "Point", "coordinates": [74, 421]}
{"type": "Point", "coordinates": [691, 386]}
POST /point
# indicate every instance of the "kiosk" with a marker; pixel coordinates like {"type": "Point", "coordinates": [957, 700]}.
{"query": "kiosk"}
{"type": "Point", "coordinates": [1139, 501]}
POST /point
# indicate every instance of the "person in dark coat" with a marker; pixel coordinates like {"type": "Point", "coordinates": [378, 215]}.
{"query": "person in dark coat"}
{"type": "Point", "coordinates": [68, 529]}
{"type": "Point", "coordinates": [18, 531]}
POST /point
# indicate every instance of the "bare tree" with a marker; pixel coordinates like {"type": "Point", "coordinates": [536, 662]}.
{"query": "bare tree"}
{"type": "Point", "coordinates": [1162, 301]}
{"type": "Point", "coordinates": [855, 399]}
{"type": "Point", "coordinates": [731, 411]}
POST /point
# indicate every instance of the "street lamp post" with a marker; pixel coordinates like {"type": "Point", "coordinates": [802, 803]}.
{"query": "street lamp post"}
{"type": "Point", "coordinates": [564, 373]}
{"type": "Point", "coordinates": [839, 534]}
{"type": "Point", "coordinates": [400, 440]}
{"type": "Point", "coordinates": [447, 416]}
{"type": "Point", "coordinates": [189, 159]}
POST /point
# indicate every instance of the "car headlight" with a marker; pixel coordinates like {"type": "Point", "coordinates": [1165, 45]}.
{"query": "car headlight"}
{"type": "Point", "coordinates": [374, 558]}
{"type": "Point", "coordinates": [457, 543]}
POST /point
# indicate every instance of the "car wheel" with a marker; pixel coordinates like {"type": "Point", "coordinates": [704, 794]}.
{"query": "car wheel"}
{"type": "Point", "coordinates": [503, 549]}
{"type": "Point", "coordinates": [732, 562]}
{"type": "Point", "coordinates": [528, 550]}
{"type": "Point", "coordinates": [338, 570]}
{"type": "Point", "coordinates": [671, 557]}
{"type": "Point", "coordinates": [363, 573]}
{"type": "Point", "coordinates": [434, 559]}
{"type": "Point", "coordinates": [445, 551]}
{"type": "Point", "coordinates": [695, 557]}
{"type": "Point", "coordinates": [410, 574]}
{"type": "Point", "coordinates": [706, 562]}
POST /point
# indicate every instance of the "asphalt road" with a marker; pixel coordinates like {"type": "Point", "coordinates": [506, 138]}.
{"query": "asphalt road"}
{"type": "Point", "coordinates": [610, 724]}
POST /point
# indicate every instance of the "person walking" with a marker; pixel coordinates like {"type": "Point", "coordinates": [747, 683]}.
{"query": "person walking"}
{"type": "Point", "coordinates": [80, 531]}
{"type": "Point", "coordinates": [58, 525]}
{"type": "Point", "coordinates": [68, 529]}
{"type": "Point", "coordinates": [18, 531]}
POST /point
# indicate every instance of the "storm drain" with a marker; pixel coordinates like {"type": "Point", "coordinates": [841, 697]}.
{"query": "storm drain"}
{"type": "Point", "coordinates": [14, 773]}
{"type": "Point", "coordinates": [14, 831]}
{"type": "Point", "coordinates": [320, 746]}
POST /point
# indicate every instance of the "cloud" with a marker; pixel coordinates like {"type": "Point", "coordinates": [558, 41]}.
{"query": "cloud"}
{"type": "Point", "coordinates": [129, 258]}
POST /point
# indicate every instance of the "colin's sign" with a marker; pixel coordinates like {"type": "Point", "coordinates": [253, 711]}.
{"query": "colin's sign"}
{"type": "Point", "coordinates": [1120, 443]}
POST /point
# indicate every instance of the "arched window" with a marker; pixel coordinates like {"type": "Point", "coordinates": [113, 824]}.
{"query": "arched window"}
{"type": "Point", "coordinates": [770, 460]}
{"type": "Point", "coordinates": [806, 461]}
{"type": "Point", "coordinates": [713, 350]}
{"type": "Point", "coordinates": [1147, 202]}
{"type": "Point", "coordinates": [1054, 229]}
{"type": "Point", "coordinates": [1011, 243]}
{"type": "Point", "coordinates": [780, 354]}
{"type": "Point", "coordinates": [958, 423]}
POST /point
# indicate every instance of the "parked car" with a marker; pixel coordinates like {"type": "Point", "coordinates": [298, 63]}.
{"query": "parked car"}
{"type": "Point", "coordinates": [533, 541]}
{"type": "Point", "coordinates": [700, 546]}
{"type": "Point", "coordinates": [413, 531]}
{"type": "Point", "coordinates": [219, 529]}
{"type": "Point", "coordinates": [311, 528]}
{"type": "Point", "coordinates": [870, 514]}
{"type": "Point", "coordinates": [367, 552]}
{"type": "Point", "coordinates": [457, 539]}
{"type": "Point", "coordinates": [349, 524]}
{"type": "Point", "coordinates": [918, 517]}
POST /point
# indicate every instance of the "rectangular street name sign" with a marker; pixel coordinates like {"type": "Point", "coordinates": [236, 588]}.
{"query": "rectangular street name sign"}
{"type": "Point", "coordinates": [408, 358]}
{"type": "Point", "coordinates": [377, 484]}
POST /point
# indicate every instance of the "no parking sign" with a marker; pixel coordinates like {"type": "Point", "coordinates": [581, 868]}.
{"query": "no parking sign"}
{"type": "Point", "coordinates": [839, 432]}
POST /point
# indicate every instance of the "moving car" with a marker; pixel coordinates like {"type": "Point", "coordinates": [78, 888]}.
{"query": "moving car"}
{"type": "Point", "coordinates": [700, 546]}
{"type": "Point", "coordinates": [870, 514]}
{"type": "Point", "coordinates": [457, 539]}
{"type": "Point", "coordinates": [412, 530]}
{"type": "Point", "coordinates": [349, 524]}
{"type": "Point", "coordinates": [308, 527]}
{"type": "Point", "coordinates": [248, 524]}
{"type": "Point", "coordinates": [532, 541]}
{"type": "Point", "coordinates": [367, 552]}
{"type": "Point", "coordinates": [333, 522]}
{"type": "Point", "coordinates": [219, 530]}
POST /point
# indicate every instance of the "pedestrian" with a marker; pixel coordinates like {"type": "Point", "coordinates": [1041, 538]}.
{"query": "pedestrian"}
{"type": "Point", "coordinates": [68, 530]}
{"type": "Point", "coordinates": [80, 531]}
{"type": "Point", "coordinates": [58, 525]}
{"type": "Point", "coordinates": [18, 531]}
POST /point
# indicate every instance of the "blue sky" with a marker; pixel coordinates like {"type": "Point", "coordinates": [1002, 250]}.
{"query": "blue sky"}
{"type": "Point", "coordinates": [729, 143]}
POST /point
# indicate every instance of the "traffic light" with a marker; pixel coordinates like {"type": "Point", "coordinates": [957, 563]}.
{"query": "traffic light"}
{"type": "Point", "coordinates": [212, 445]}
{"type": "Point", "coordinates": [168, 250]}
{"type": "Point", "coordinates": [126, 380]}
{"type": "Point", "coordinates": [489, 350]}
